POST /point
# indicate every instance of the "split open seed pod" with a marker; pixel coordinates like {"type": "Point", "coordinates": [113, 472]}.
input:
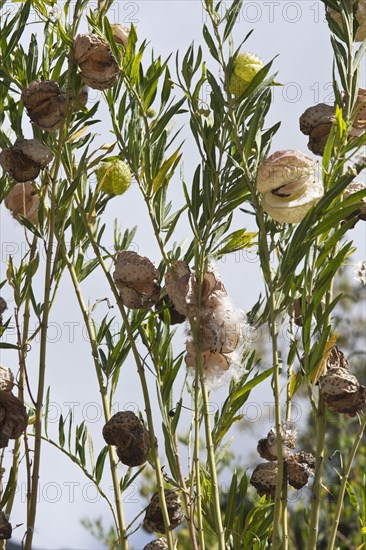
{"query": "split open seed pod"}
{"type": "Point", "coordinates": [360, 18]}
{"type": "Point", "coordinates": [126, 431]}
{"type": "Point", "coordinates": [182, 289]}
{"type": "Point", "coordinates": [45, 104]}
{"type": "Point", "coordinates": [136, 278]}
{"type": "Point", "coordinates": [176, 318]}
{"type": "Point", "coordinates": [355, 187]}
{"type": "Point", "coordinates": [154, 521]}
{"type": "Point", "coordinates": [342, 391]}
{"type": "Point", "coordinates": [288, 182]}
{"type": "Point", "coordinates": [6, 378]}
{"type": "Point", "coordinates": [300, 466]}
{"type": "Point", "coordinates": [23, 200]}
{"type": "Point", "coordinates": [99, 69]}
{"type": "Point", "coordinates": [220, 333]}
{"type": "Point", "coordinates": [13, 417]}
{"type": "Point", "coordinates": [267, 447]}
{"type": "Point", "coordinates": [5, 527]}
{"type": "Point", "coordinates": [120, 34]}
{"type": "Point", "coordinates": [25, 159]}
{"type": "Point", "coordinates": [264, 478]}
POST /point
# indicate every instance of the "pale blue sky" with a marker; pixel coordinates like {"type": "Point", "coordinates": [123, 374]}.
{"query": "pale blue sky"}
{"type": "Point", "coordinates": [297, 33]}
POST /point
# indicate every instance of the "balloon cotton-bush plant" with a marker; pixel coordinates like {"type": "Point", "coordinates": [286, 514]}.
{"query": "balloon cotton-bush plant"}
{"type": "Point", "coordinates": [310, 237]}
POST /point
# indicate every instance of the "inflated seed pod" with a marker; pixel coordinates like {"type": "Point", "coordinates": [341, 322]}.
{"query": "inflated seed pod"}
{"type": "Point", "coordinates": [175, 317]}
{"type": "Point", "coordinates": [3, 305]}
{"type": "Point", "coordinates": [316, 122]}
{"type": "Point", "coordinates": [300, 466]}
{"type": "Point", "coordinates": [13, 417]}
{"type": "Point", "coordinates": [264, 478]}
{"type": "Point", "coordinates": [359, 213]}
{"type": "Point", "coordinates": [157, 544]}
{"type": "Point", "coordinates": [267, 447]}
{"type": "Point", "coordinates": [25, 159]}
{"type": "Point", "coordinates": [23, 200]}
{"type": "Point", "coordinates": [120, 34]}
{"type": "Point", "coordinates": [288, 184]}
{"type": "Point", "coordinates": [5, 527]}
{"type": "Point", "coordinates": [342, 391]}
{"type": "Point", "coordinates": [246, 66]}
{"type": "Point", "coordinates": [136, 278]}
{"type": "Point", "coordinates": [6, 378]}
{"type": "Point", "coordinates": [126, 431]}
{"type": "Point", "coordinates": [99, 69]}
{"type": "Point", "coordinates": [182, 289]}
{"type": "Point", "coordinates": [45, 104]}
{"type": "Point", "coordinates": [154, 521]}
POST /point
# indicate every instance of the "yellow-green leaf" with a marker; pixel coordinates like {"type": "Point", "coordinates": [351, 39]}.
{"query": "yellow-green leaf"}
{"type": "Point", "coordinates": [164, 170]}
{"type": "Point", "coordinates": [323, 362]}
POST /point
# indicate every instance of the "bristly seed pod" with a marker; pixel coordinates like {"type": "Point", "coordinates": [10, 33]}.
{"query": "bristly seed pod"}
{"type": "Point", "coordinates": [6, 378]}
{"type": "Point", "coordinates": [5, 527]}
{"type": "Point", "coordinates": [342, 391]}
{"type": "Point", "coordinates": [300, 466]}
{"type": "Point", "coordinates": [126, 431]}
{"type": "Point", "coordinates": [98, 67]}
{"type": "Point", "coordinates": [157, 544]}
{"type": "Point", "coordinates": [267, 447]}
{"type": "Point", "coordinates": [23, 200]}
{"type": "Point", "coordinates": [25, 159]}
{"type": "Point", "coordinates": [45, 104]}
{"type": "Point", "coordinates": [246, 67]}
{"type": "Point", "coordinates": [3, 305]}
{"type": "Point", "coordinates": [136, 278]}
{"type": "Point", "coordinates": [264, 478]}
{"type": "Point", "coordinates": [154, 521]}
{"type": "Point", "coordinates": [13, 418]}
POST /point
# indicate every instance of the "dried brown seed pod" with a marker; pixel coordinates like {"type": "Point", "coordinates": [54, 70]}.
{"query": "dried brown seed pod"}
{"type": "Point", "coordinates": [354, 187]}
{"type": "Point", "coordinates": [13, 417]}
{"type": "Point", "coordinates": [45, 104]}
{"type": "Point", "coordinates": [175, 317]}
{"type": "Point", "coordinates": [154, 521]}
{"type": "Point", "coordinates": [213, 362]}
{"type": "Point", "coordinates": [337, 358]}
{"type": "Point", "coordinates": [136, 278]}
{"type": "Point", "coordinates": [99, 69]}
{"type": "Point", "coordinates": [220, 333]}
{"type": "Point", "coordinates": [300, 466]}
{"type": "Point", "coordinates": [316, 122]}
{"type": "Point", "coordinates": [267, 447]}
{"type": "Point", "coordinates": [120, 34]}
{"type": "Point", "coordinates": [3, 305]}
{"type": "Point", "coordinates": [264, 478]}
{"type": "Point", "coordinates": [25, 159]}
{"type": "Point", "coordinates": [23, 200]}
{"type": "Point", "coordinates": [6, 379]}
{"type": "Point", "coordinates": [213, 289]}
{"type": "Point", "coordinates": [157, 544]}
{"type": "Point", "coordinates": [342, 391]}
{"type": "Point", "coordinates": [5, 527]}
{"type": "Point", "coordinates": [360, 17]}
{"type": "Point", "coordinates": [126, 431]}
{"type": "Point", "coordinates": [182, 288]}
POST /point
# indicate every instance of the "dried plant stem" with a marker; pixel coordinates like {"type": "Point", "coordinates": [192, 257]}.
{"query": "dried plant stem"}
{"type": "Point", "coordinates": [342, 489]}
{"type": "Point", "coordinates": [113, 461]}
{"type": "Point", "coordinates": [143, 381]}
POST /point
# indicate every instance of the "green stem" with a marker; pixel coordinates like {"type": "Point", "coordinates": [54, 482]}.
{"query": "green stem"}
{"type": "Point", "coordinates": [342, 489]}
{"type": "Point", "coordinates": [113, 461]}
{"type": "Point", "coordinates": [22, 354]}
{"type": "Point", "coordinates": [143, 381]}
{"type": "Point", "coordinates": [196, 462]}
